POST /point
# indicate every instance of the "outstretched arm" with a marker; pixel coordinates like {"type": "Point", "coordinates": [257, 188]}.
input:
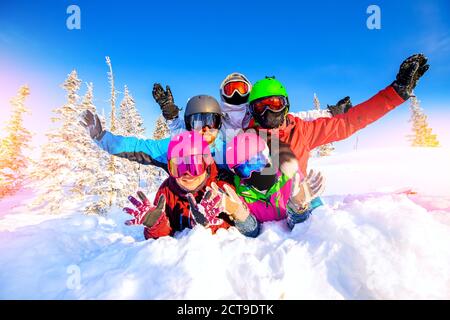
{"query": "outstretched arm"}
{"type": "Point", "coordinates": [325, 130]}
{"type": "Point", "coordinates": [144, 151]}
{"type": "Point", "coordinates": [169, 109]}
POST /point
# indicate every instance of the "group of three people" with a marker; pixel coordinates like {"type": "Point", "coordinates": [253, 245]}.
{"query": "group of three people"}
{"type": "Point", "coordinates": [243, 161]}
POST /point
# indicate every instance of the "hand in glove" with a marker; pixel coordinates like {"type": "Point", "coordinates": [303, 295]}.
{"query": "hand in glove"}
{"type": "Point", "coordinates": [230, 202]}
{"type": "Point", "coordinates": [341, 107]}
{"type": "Point", "coordinates": [409, 74]}
{"type": "Point", "coordinates": [303, 192]}
{"type": "Point", "coordinates": [91, 122]}
{"type": "Point", "coordinates": [165, 100]}
{"type": "Point", "coordinates": [145, 214]}
{"type": "Point", "coordinates": [206, 213]}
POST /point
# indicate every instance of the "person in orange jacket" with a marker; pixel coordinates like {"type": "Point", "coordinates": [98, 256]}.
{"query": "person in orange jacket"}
{"type": "Point", "coordinates": [269, 106]}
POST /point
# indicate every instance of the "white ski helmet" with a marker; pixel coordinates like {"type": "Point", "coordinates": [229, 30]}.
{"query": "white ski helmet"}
{"type": "Point", "coordinates": [235, 89]}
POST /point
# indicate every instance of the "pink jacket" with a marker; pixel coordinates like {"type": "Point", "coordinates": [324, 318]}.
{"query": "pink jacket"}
{"type": "Point", "coordinates": [268, 206]}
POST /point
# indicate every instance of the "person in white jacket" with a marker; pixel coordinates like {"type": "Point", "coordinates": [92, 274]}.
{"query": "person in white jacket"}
{"type": "Point", "coordinates": [234, 92]}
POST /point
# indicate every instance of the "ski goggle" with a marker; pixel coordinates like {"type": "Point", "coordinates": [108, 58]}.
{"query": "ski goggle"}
{"type": "Point", "coordinates": [198, 121]}
{"type": "Point", "coordinates": [231, 87]}
{"type": "Point", "coordinates": [275, 104]}
{"type": "Point", "coordinates": [255, 164]}
{"type": "Point", "coordinates": [195, 165]}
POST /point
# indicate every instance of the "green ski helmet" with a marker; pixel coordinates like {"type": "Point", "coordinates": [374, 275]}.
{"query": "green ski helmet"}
{"type": "Point", "coordinates": [266, 88]}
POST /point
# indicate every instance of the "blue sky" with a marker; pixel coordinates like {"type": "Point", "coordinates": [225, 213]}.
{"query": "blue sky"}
{"type": "Point", "coordinates": [321, 47]}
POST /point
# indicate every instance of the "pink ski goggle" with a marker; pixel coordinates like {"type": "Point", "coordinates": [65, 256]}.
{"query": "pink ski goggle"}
{"type": "Point", "coordinates": [195, 165]}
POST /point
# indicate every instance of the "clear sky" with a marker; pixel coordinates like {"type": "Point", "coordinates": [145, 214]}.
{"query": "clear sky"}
{"type": "Point", "coordinates": [321, 47]}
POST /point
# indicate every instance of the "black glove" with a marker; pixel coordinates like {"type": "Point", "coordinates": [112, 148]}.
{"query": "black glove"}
{"type": "Point", "coordinates": [341, 107]}
{"type": "Point", "coordinates": [409, 74]}
{"type": "Point", "coordinates": [165, 100]}
{"type": "Point", "coordinates": [91, 122]}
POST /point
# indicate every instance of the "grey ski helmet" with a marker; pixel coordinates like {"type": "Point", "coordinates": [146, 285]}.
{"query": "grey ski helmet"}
{"type": "Point", "coordinates": [201, 104]}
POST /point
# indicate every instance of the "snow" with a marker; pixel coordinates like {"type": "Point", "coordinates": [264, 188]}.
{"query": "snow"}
{"type": "Point", "coordinates": [371, 240]}
{"type": "Point", "coordinates": [310, 115]}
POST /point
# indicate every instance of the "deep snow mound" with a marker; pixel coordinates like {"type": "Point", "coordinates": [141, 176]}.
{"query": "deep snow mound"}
{"type": "Point", "coordinates": [371, 240]}
{"type": "Point", "coordinates": [425, 170]}
{"type": "Point", "coordinates": [379, 246]}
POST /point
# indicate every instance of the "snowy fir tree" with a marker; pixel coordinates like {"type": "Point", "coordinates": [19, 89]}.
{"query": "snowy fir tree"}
{"type": "Point", "coordinates": [117, 185]}
{"type": "Point", "coordinates": [153, 175]}
{"type": "Point", "coordinates": [131, 125]}
{"type": "Point", "coordinates": [88, 165]}
{"type": "Point", "coordinates": [90, 169]}
{"type": "Point", "coordinates": [422, 136]}
{"type": "Point", "coordinates": [131, 122]}
{"type": "Point", "coordinates": [13, 161]}
{"type": "Point", "coordinates": [316, 102]}
{"type": "Point", "coordinates": [161, 129]}
{"type": "Point", "coordinates": [326, 149]}
{"type": "Point", "coordinates": [54, 174]}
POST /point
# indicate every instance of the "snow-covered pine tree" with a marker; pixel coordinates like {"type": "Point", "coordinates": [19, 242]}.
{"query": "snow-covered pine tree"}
{"type": "Point", "coordinates": [13, 161]}
{"type": "Point", "coordinates": [326, 149]}
{"type": "Point", "coordinates": [422, 136]}
{"type": "Point", "coordinates": [131, 124]}
{"type": "Point", "coordinates": [153, 175]}
{"type": "Point", "coordinates": [162, 131]}
{"type": "Point", "coordinates": [90, 168]}
{"type": "Point", "coordinates": [316, 102]}
{"type": "Point", "coordinates": [117, 181]}
{"type": "Point", "coordinates": [119, 187]}
{"type": "Point", "coordinates": [54, 174]}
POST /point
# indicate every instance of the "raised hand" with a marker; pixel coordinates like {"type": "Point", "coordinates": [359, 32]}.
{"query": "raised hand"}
{"type": "Point", "coordinates": [196, 211]}
{"type": "Point", "coordinates": [341, 107]}
{"type": "Point", "coordinates": [231, 203]}
{"type": "Point", "coordinates": [212, 206]}
{"type": "Point", "coordinates": [165, 100]}
{"type": "Point", "coordinates": [206, 213]}
{"type": "Point", "coordinates": [91, 122]}
{"type": "Point", "coordinates": [411, 70]}
{"type": "Point", "coordinates": [304, 191]}
{"type": "Point", "coordinates": [145, 214]}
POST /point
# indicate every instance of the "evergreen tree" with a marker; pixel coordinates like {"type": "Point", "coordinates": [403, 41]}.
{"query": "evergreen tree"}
{"type": "Point", "coordinates": [131, 124]}
{"type": "Point", "coordinates": [54, 175]}
{"type": "Point", "coordinates": [13, 161]}
{"type": "Point", "coordinates": [116, 182]}
{"type": "Point", "coordinates": [422, 136]}
{"type": "Point", "coordinates": [162, 131]}
{"type": "Point", "coordinates": [326, 149]}
{"type": "Point", "coordinates": [118, 186]}
{"type": "Point", "coordinates": [316, 102]}
{"type": "Point", "coordinates": [155, 176]}
{"type": "Point", "coordinates": [90, 168]}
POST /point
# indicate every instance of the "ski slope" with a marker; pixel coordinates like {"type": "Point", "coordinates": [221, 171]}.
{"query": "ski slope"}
{"type": "Point", "coordinates": [372, 240]}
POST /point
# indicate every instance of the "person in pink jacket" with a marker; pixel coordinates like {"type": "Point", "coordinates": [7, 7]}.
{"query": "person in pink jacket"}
{"type": "Point", "coordinates": [271, 193]}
